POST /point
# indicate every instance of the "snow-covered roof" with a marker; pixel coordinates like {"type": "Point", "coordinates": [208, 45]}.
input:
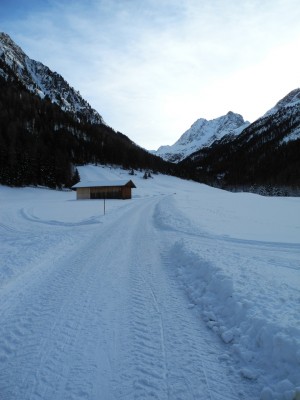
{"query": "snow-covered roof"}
{"type": "Point", "coordinates": [103, 183]}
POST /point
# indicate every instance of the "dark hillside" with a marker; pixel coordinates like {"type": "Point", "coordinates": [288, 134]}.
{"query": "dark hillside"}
{"type": "Point", "coordinates": [40, 143]}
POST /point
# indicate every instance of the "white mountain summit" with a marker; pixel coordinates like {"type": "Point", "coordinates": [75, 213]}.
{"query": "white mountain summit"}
{"type": "Point", "coordinates": [202, 134]}
{"type": "Point", "coordinates": [39, 79]}
{"type": "Point", "coordinates": [292, 99]}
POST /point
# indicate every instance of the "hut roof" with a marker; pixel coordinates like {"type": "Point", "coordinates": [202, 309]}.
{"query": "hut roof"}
{"type": "Point", "coordinates": [104, 183]}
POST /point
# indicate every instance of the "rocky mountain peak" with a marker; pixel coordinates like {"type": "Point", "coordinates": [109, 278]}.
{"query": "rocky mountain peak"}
{"type": "Point", "coordinates": [5, 40]}
{"type": "Point", "coordinates": [201, 134]}
{"type": "Point", "coordinates": [39, 79]}
{"type": "Point", "coordinates": [290, 100]}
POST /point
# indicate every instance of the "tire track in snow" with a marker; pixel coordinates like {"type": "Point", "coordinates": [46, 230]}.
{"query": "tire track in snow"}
{"type": "Point", "coordinates": [150, 376]}
{"type": "Point", "coordinates": [44, 307]}
{"type": "Point", "coordinates": [173, 360]}
{"type": "Point", "coordinates": [29, 216]}
{"type": "Point", "coordinates": [7, 228]}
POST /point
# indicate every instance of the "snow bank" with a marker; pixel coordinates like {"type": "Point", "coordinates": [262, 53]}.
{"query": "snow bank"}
{"type": "Point", "coordinates": [246, 290]}
{"type": "Point", "coordinates": [262, 347]}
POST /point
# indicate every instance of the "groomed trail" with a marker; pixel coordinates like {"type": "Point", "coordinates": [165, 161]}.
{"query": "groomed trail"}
{"type": "Point", "coordinates": [106, 318]}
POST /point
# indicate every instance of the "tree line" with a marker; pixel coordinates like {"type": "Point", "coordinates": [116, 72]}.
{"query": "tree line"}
{"type": "Point", "coordinates": [40, 144]}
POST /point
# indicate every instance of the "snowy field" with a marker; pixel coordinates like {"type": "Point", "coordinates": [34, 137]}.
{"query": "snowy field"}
{"type": "Point", "coordinates": [184, 292]}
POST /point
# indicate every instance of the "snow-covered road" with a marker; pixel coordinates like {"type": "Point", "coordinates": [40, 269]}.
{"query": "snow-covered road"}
{"type": "Point", "coordinates": [107, 322]}
{"type": "Point", "coordinates": [129, 305]}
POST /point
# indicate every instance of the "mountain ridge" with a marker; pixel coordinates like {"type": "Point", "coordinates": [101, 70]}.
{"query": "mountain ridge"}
{"type": "Point", "coordinates": [40, 80]}
{"type": "Point", "coordinates": [291, 99]}
{"type": "Point", "coordinates": [202, 133]}
{"type": "Point", "coordinates": [205, 133]}
{"type": "Point", "coordinates": [265, 153]}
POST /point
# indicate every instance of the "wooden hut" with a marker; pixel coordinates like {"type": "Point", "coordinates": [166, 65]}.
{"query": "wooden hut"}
{"type": "Point", "coordinates": [104, 190]}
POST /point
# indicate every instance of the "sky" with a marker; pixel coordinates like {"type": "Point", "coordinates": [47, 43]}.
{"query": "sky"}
{"type": "Point", "coordinates": [151, 68]}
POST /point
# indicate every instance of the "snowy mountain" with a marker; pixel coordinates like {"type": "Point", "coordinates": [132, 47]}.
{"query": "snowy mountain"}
{"type": "Point", "coordinates": [202, 134]}
{"type": "Point", "coordinates": [39, 79]}
{"type": "Point", "coordinates": [265, 153]}
{"type": "Point", "coordinates": [290, 100]}
{"type": "Point", "coordinates": [283, 118]}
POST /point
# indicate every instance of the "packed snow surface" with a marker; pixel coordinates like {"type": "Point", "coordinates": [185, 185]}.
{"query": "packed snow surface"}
{"type": "Point", "coordinates": [184, 292]}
